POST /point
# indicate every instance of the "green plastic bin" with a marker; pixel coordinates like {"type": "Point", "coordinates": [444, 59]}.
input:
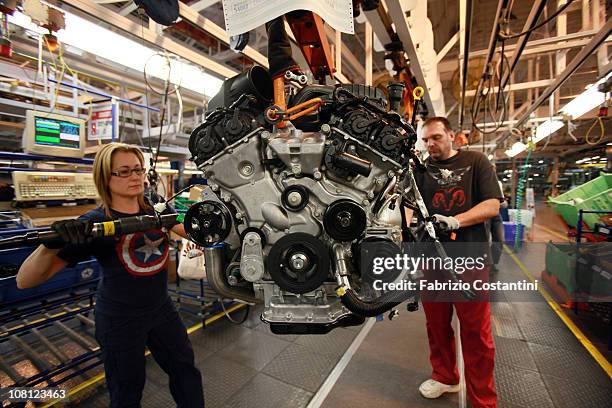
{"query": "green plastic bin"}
{"type": "Point", "coordinates": [561, 263]}
{"type": "Point", "coordinates": [596, 195]}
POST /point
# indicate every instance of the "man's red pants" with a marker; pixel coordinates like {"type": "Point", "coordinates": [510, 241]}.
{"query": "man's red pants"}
{"type": "Point", "coordinates": [477, 346]}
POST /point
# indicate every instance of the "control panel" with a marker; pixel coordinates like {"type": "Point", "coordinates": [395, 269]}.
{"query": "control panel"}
{"type": "Point", "coordinates": [47, 185]}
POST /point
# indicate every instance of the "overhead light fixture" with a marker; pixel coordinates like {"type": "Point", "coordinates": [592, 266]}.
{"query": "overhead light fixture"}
{"type": "Point", "coordinates": [540, 161]}
{"type": "Point", "coordinates": [536, 175]}
{"type": "Point", "coordinates": [516, 148]}
{"type": "Point", "coordinates": [546, 129]}
{"type": "Point", "coordinates": [588, 100]}
{"type": "Point", "coordinates": [95, 39]}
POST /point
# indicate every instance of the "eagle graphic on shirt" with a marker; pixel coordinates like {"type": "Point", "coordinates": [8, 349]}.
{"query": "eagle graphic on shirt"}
{"type": "Point", "coordinates": [143, 253]}
{"type": "Point", "coordinates": [448, 177]}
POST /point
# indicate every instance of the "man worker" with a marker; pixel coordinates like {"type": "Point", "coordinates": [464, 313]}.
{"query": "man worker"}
{"type": "Point", "coordinates": [460, 189]}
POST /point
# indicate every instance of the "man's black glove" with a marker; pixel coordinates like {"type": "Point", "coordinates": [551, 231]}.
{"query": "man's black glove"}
{"type": "Point", "coordinates": [75, 232]}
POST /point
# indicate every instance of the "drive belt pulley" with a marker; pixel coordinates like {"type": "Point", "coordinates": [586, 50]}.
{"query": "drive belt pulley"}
{"type": "Point", "coordinates": [298, 263]}
{"type": "Point", "coordinates": [344, 220]}
{"type": "Point", "coordinates": [208, 223]}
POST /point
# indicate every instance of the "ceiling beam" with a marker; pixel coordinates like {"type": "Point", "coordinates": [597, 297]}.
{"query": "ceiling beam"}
{"type": "Point", "coordinates": [109, 16]}
{"type": "Point", "coordinates": [578, 60]}
{"type": "Point", "coordinates": [127, 9]}
{"type": "Point", "coordinates": [543, 41]}
{"type": "Point", "coordinates": [518, 87]}
{"type": "Point", "coordinates": [202, 4]}
{"type": "Point", "coordinates": [192, 16]}
{"type": "Point", "coordinates": [346, 53]}
{"type": "Point", "coordinates": [403, 32]}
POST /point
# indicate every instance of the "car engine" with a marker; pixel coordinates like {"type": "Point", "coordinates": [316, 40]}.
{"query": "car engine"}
{"type": "Point", "coordinates": [290, 208]}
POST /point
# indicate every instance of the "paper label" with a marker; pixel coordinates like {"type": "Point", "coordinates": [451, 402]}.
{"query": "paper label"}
{"type": "Point", "coordinates": [244, 15]}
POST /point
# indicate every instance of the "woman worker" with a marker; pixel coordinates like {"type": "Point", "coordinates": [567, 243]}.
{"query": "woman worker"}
{"type": "Point", "coordinates": [133, 309]}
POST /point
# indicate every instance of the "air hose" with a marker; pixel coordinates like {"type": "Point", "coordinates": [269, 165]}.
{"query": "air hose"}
{"type": "Point", "coordinates": [519, 198]}
{"type": "Point", "coordinates": [371, 309]}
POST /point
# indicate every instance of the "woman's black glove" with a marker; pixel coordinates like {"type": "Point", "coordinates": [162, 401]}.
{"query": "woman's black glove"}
{"type": "Point", "coordinates": [75, 232]}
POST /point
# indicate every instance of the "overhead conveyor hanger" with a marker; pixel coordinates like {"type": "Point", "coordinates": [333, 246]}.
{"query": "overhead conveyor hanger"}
{"type": "Point", "coordinates": [578, 60]}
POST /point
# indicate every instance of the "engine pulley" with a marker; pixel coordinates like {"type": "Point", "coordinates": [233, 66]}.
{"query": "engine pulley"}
{"type": "Point", "coordinates": [295, 198]}
{"type": "Point", "coordinates": [298, 263]}
{"type": "Point", "coordinates": [375, 247]}
{"type": "Point", "coordinates": [344, 220]}
{"type": "Point", "coordinates": [208, 223]}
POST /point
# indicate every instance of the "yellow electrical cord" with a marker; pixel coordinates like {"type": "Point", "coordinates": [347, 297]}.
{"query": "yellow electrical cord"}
{"type": "Point", "coordinates": [601, 133]}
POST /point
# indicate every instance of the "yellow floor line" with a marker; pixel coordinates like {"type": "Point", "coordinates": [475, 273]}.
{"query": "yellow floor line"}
{"type": "Point", "coordinates": [601, 360]}
{"type": "Point", "coordinates": [555, 233]}
{"type": "Point", "coordinates": [100, 377]}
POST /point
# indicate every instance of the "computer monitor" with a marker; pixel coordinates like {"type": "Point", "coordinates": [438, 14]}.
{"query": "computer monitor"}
{"type": "Point", "coordinates": [52, 134]}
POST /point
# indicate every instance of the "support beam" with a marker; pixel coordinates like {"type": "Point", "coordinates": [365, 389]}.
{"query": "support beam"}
{"type": "Point", "coordinates": [341, 78]}
{"type": "Point", "coordinates": [534, 15]}
{"type": "Point", "coordinates": [368, 53]}
{"type": "Point", "coordinates": [448, 46]}
{"type": "Point", "coordinates": [466, 9]}
{"type": "Point", "coordinates": [348, 56]}
{"type": "Point", "coordinates": [378, 25]}
{"type": "Point", "coordinates": [586, 19]}
{"type": "Point", "coordinates": [192, 16]}
{"type": "Point", "coordinates": [501, 7]}
{"type": "Point", "coordinates": [202, 4]}
{"type": "Point", "coordinates": [518, 87]}
{"type": "Point", "coordinates": [403, 32]}
{"type": "Point", "coordinates": [127, 9]}
{"type": "Point", "coordinates": [102, 13]}
{"type": "Point", "coordinates": [561, 57]}
{"type": "Point", "coordinates": [338, 51]}
{"type": "Point", "coordinates": [578, 60]}
{"type": "Point", "coordinates": [602, 53]}
{"type": "Point", "coordinates": [537, 43]}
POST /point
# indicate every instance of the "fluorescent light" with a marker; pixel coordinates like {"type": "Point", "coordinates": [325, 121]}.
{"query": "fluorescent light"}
{"type": "Point", "coordinates": [109, 45]}
{"type": "Point", "coordinates": [586, 101]}
{"type": "Point", "coordinates": [540, 161]}
{"type": "Point", "coordinates": [530, 178]}
{"type": "Point", "coordinates": [516, 148]}
{"type": "Point", "coordinates": [536, 175]}
{"type": "Point", "coordinates": [546, 129]}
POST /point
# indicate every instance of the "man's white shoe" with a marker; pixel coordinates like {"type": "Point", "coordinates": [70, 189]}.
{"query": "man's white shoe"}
{"type": "Point", "coordinates": [433, 389]}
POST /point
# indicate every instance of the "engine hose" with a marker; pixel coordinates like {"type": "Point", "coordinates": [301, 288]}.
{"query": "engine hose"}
{"type": "Point", "coordinates": [370, 309]}
{"type": "Point", "coordinates": [240, 321]}
{"type": "Point", "coordinates": [519, 200]}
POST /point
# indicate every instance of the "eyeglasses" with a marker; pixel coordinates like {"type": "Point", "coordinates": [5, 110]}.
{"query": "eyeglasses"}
{"type": "Point", "coordinates": [125, 172]}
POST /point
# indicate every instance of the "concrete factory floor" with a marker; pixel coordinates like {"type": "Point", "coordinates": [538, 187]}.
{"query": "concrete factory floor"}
{"type": "Point", "coordinates": [539, 360]}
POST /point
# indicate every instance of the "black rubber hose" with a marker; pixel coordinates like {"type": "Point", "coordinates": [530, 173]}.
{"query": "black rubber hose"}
{"type": "Point", "coordinates": [381, 305]}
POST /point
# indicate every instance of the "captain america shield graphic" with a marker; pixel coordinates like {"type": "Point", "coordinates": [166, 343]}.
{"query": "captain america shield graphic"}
{"type": "Point", "coordinates": [143, 253]}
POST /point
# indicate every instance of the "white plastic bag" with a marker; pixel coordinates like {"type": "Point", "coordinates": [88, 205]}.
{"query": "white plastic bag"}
{"type": "Point", "coordinates": [191, 262]}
